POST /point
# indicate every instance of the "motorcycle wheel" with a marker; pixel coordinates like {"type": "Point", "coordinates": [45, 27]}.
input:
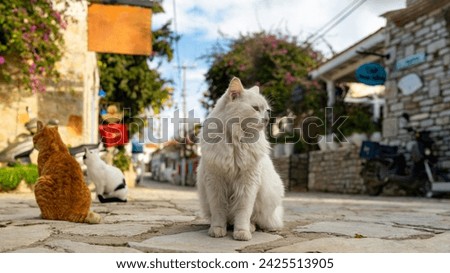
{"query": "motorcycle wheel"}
{"type": "Point", "coordinates": [373, 190]}
{"type": "Point", "coordinates": [24, 160]}
{"type": "Point", "coordinates": [425, 190]}
{"type": "Point", "coordinates": [373, 174]}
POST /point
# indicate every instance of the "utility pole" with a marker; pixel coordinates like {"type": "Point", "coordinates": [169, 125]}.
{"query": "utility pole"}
{"type": "Point", "coordinates": [184, 128]}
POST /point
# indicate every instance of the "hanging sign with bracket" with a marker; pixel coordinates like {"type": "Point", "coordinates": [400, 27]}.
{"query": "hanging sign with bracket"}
{"type": "Point", "coordinates": [371, 74]}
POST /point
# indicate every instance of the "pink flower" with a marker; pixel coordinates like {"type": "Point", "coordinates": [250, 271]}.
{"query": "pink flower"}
{"type": "Point", "coordinates": [32, 68]}
{"type": "Point", "coordinates": [59, 19]}
{"type": "Point", "coordinates": [289, 78]}
{"type": "Point", "coordinates": [57, 16]}
{"type": "Point", "coordinates": [2, 60]}
{"type": "Point", "coordinates": [26, 37]}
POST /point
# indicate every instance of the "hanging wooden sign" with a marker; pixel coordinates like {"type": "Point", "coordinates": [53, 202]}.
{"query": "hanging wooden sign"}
{"type": "Point", "coordinates": [119, 29]}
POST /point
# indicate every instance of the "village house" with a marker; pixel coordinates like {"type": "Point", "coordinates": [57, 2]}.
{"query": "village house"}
{"type": "Point", "coordinates": [414, 50]}
{"type": "Point", "coordinates": [73, 101]}
{"type": "Point", "coordinates": [418, 42]}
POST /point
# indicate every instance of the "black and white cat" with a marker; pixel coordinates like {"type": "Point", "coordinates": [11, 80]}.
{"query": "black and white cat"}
{"type": "Point", "coordinates": [109, 181]}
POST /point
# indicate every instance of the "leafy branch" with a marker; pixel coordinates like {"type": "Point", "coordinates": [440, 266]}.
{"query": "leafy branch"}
{"type": "Point", "coordinates": [31, 36]}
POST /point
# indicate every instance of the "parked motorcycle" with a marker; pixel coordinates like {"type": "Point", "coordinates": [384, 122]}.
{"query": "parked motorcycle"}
{"type": "Point", "coordinates": [385, 166]}
{"type": "Point", "coordinates": [20, 149]}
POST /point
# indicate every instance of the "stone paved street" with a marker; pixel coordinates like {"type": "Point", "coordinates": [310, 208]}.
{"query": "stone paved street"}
{"type": "Point", "coordinates": [165, 218]}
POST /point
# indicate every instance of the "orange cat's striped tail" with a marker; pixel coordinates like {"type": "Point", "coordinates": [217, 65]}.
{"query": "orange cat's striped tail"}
{"type": "Point", "coordinates": [93, 218]}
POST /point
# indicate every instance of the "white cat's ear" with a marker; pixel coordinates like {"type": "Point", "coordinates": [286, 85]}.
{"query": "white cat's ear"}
{"type": "Point", "coordinates": [40, 125]}
{"type": "Point", "coordinates": [255, 89]}
{"type": "Point", "coordinates": [235, 88]}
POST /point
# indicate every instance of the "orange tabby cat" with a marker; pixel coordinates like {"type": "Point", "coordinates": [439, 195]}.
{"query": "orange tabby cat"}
{"type": "Point", "coordinates": [60, 191]}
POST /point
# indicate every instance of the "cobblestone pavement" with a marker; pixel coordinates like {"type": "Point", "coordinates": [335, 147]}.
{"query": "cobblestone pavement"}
{"type": "Point", "coordinates": [165, 218]}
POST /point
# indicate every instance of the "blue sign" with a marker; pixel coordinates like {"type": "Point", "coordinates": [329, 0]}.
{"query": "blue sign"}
{"type": "Point", "coordinates": [411, 60]}
{"type": "Point", "coordinates": [101, 93]}
{"type": "Point", "coordinates": [371, 74]}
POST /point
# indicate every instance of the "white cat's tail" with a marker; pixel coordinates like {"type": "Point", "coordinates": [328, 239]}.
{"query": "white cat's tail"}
{"type": "Point", "coordinates": [271, 221]}
{"type": "Point", "coordinates": [269, 212]}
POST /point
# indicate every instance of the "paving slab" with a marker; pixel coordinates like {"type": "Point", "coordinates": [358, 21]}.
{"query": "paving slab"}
{"type": "Point", "coordinates": [148, 217]}
{"type": "Point", "coordinates": [162, 217]}
{"type": "Point", "coordinates": [19, 214]}
{"type": "Point", "coordinates": [12, 237]}
{"type": "Point", "coordinates": [352, 229]}
{"type": "Point", "coordinates": [78, 247]}
{"type": "Point", "coordinates": [436, 244]}
{"type": "Point", "coordinates": [199, 241]}
{"type": "Point", "coordinates": [38, 249]}
{"type": "Point", "coordinates": [119, 229]}
{"type": "Point", "coordinates": [147, 211]}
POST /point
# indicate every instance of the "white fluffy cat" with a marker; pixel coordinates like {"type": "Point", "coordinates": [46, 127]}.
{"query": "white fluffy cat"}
{"type": "Point", "coordinates": [237, 182]}
{"type": "Point", "coordinates": [109, 181]}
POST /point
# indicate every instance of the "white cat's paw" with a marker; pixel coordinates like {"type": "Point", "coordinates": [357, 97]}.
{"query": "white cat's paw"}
{"type": "Point", "coordinates": [242, 235]}
{"type": "Point", "coordinates": [217, 232]}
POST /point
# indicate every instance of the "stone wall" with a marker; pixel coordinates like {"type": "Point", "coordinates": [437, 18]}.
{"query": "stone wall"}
{"type": "Point", "coordinates": [326, 171]}
{"type": "Point", "coordinates": [429, 107]}
{"type": "Point", "coordinates": [336, 171]}
{"type": "Point", "coordinates": [293, 170]}
{"type": "Point", "coordinates": [13, 113]}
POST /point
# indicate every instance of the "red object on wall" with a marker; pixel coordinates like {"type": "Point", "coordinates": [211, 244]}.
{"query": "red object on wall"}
{"type": "Point", "coordinates": [114, 134]}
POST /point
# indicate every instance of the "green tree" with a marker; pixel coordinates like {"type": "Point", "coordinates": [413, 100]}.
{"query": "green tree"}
{"type": "Point", "coordinates": [278, 64]}
{"type": "Point", "coordinates": [128, 80]}
{"type": "Point", "coordinates": [31, 36]}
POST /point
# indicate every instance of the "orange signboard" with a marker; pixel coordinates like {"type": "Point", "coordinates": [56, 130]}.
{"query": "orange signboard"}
{"type": "Point", "coordinates": [119, 29]}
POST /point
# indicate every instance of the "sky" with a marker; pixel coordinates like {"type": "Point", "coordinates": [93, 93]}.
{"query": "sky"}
{"type": "Point", "coordinates": [202, 23]}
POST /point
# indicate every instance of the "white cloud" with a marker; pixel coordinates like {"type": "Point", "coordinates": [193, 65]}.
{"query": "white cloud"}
{"type": "Point", "coordinates": [297, 17]}
{"type": "Point", "coordinates": [201, 21]}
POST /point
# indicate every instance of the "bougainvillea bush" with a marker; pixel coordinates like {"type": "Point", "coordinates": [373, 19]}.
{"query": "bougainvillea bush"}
{"type": "Point", "coordinates": [31, 36]}
{"type": "Point", "coordinates": [278, 64]}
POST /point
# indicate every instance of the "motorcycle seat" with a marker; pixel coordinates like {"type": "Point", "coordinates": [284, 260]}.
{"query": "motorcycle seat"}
{"type": "Point", "coordinates": [80, 149]}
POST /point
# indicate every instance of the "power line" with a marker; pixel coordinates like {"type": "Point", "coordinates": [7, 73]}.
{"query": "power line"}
{"type": "Point", "coordinates": [331, 21]}
{"type": "Point", "coordinates": [177, 53]}
{"type": "Point", "coordinates": [338, 21]}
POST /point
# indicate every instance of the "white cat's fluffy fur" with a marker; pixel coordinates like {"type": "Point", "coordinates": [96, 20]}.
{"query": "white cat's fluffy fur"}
{"type": "Point", "coordinates": [237, 182]}
{"type": "Point", "coordinates": [109, 181]}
